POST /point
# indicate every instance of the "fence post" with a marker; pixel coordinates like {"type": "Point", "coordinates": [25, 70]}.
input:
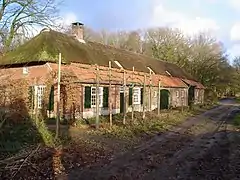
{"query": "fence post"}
{"type": "Point", "coordinates": [125, 98]}
{"type": "Point", "coordinates": [97, 97]}
{"type": "Point", "coordinates": [159, 97]}
{"type": "Point", "coordinates": [58, 96]}
{"type": "Point", "coordinates": [132, 96]}
{"type": "Point", "coordinates": [144, 98]}
{"type": "Point", "coordinates": [110, 94]}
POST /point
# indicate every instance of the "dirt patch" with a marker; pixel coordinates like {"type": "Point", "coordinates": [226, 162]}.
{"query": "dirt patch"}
{"type": "Point", "coordinates": [173, 154]}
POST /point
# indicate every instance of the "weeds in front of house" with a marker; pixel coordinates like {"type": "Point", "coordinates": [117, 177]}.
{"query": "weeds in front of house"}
{"type": "Point", "coordinates": [151, 125]}
{"type": "Point", "coordinates": [236, 120]}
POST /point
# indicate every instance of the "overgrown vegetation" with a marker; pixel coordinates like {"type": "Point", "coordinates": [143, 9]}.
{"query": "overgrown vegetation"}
{"type": "Point", "coordinates": [139, 128]}
{"type": "Point", "coordinates": [236, 120]}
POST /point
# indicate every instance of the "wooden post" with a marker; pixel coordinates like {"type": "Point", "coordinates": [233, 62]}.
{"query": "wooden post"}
{"type": "Point", "coordinates": [150, 93]}
{"type": "Point", "coordinates": [125, 98]}
{"type": "Point", "coordinates": [58, 95]}
{"type": "Point", "coordinates": [110, 93]}
{"type": "Point", "coordinates": [132, 97]}
{"type": "Point", "coordinates": [97, 97]}
{"type": "Point", "coordinates": [159, 97]}
{"type": "Point", "coordinates": [182, 99]}
{"type": "Point", "coordinates": [144, 97]}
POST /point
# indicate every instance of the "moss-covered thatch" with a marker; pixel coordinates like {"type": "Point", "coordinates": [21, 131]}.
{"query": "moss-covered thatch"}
{"type": "Point", "coordinates": [46, 46]}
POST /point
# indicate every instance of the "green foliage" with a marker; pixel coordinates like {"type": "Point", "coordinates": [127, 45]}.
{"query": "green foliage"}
{"type": "Point", "coordinates": [236, 120]}
{"type": "Point", "coordinates": [45, 134]}
{"type": "Point", "coordinates": [153, 124]}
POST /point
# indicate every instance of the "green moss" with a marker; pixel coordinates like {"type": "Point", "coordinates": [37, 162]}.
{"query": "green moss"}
{"type": "Point", "coordinates": [236, 120]}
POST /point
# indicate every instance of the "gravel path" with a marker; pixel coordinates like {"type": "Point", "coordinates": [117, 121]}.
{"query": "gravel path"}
{"type": "Point", "coordinates": [203, 147]}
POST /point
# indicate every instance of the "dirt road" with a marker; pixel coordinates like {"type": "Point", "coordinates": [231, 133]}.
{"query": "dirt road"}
{"type": "Point", "coordinates": [203, 147]}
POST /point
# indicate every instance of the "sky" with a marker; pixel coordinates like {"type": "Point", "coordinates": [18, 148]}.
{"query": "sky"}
{"type": "Point", "coordinates": [219, 17]}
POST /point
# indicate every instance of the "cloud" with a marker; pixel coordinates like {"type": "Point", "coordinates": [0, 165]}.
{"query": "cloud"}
{"type": "Point", "coordinates": [234, 32]}
{"type": "Point", "coordinates": [188, 24]}
{"type": "Point", "coordinates": [235, 4]}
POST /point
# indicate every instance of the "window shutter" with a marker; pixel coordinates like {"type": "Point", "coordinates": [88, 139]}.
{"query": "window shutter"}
{"type": "Point", "coordinates": [130, 96]}
{"type": "Point", "coordinates": [31, 96]}
{"type": "Point", "coordinates": [105, 96]}
{"type": "Point", "coordinates": [141, 95]}
{"type": "Point", "coordinates": [87, 97]}
{"type": "Point", "coordinates": [51, 99]}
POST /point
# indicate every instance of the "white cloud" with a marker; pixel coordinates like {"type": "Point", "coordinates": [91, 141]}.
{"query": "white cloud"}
{"type": "Point", "coordinates": [234, 33]}
{"type": "Point", "coordinates": [235, 4]}
{"type": "Point", "coordinates": [188, 24]}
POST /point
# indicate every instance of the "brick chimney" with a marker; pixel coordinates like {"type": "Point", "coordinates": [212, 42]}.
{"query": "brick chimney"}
{"type": "Point", "coordinates": [78, 31]}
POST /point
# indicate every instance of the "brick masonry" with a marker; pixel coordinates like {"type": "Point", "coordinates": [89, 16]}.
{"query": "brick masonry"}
{"type": "Point", "coordinates": [75, 77]}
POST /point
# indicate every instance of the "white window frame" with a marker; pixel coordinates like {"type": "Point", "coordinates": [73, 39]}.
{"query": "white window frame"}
{"type": "Point", "coordinates": [197, 93]}
{"type": "Point", "coordinates": [155, 93]}
{"type": "Point", "coordinates": [136, 95]}
{"type": "Point", "coordinates": [183, 93]}
{"type": "Point", "coordinates": [94, 97]}
{"type": "Point", "coordinates": [39, 94]}
{"type": "Point", "coordinates": [177, 93]}
{"type": "Point", "coordinates": [118, 64]}
{"type": "Point", "coordinates": [25, 70]}
{"type": "Point", "coordinates": [150, 70]}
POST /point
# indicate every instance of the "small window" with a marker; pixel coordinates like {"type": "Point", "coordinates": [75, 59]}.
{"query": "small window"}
{"type": "Point", "coordinates": [118, 64]}
{"type": "Point", "coordinates": [177, 93]}
{"type": "Point", "coordinates": [152, 72]}
{"type": "Point", "coordinates": [136, 95]}
{"type": "Point", "coordinates": [25, 70]}
{"type": "Point", "coordinates": [38, 93]}
{"type": "Point", "coordinates": [168, 73]}
{"type": "Point", "coordinates": [182, 93]}
{"type": "Point", "coordinates": [121, 89]}
{"type": "Point", "coordinates": [155, 93]}
{"type": "Point", "coordinates": [94, 96]}
{"type": "Point", "coordinates": [40, 96]}
{"type": "Point", "coordinates": [197, 93]}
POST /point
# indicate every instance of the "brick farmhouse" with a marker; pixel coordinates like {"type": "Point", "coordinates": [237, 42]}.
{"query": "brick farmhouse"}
{"type": "Point", "coordinates": [127, 80]}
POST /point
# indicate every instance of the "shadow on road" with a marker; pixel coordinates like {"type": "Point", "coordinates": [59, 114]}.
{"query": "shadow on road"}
{"type": "Point", "coordinates": [209, 150]}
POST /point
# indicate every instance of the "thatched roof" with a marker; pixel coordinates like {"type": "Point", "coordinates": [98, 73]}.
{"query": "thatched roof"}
{"type": "Point", "coordinates": [46, 46]}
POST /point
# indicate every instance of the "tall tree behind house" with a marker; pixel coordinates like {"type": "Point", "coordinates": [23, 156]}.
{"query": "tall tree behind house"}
{"type": "Point", "coordinates": [201, 55]}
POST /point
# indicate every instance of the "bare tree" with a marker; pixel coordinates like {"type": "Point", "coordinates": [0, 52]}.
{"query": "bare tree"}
{"type": "Point", "coordinates": [167, 44]}
{"type": "Point", "coordinates": [21, 17]}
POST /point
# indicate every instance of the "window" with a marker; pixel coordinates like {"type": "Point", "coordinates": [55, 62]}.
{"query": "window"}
{"type": "Point", "coordinates": [25, 70]}
{"type": "Point", "coordinates": [40, 94]}
{"type": "Point", "coordinates": [121, 89]}
{"type": "Point", "coordinates": [182, 93]}
{"type": "Point", "coordinates": [168, 73]}
{"type": "Point", "coordinates": [36, 95]}
{"type": "Point", "coordinates": [152, 72]}
{"type": "Point", "coordinates": [177, 93]}
{"type": "Point", "coordinates": [136, 95]}
{"type": "Point", "coordinates": [118, 64]}
{"type": "Point", "coordinates": [197, 93]}
{"type": "Point", "coordinates": [94, 96]}
{"type": "Point", "coordinates": [155, 93]}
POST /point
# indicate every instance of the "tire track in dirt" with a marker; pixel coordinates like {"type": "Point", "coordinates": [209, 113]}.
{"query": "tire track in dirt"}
{"type": "Point", "coordinates": [161, 151]}
{"type": "Point", "coordinates": [201, 159]}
